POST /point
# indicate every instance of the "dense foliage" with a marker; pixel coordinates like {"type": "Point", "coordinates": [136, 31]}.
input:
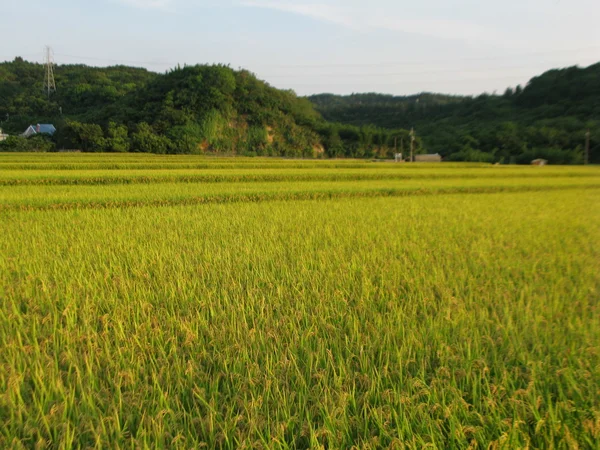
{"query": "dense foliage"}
{"type": "Point", "coordinates": [188, 110]}
{"type": "Point", "coordinates": [548, 118]}
{"type": "Point", "coordinates": [215, 109]}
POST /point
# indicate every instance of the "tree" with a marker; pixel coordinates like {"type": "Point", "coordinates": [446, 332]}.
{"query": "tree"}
{"type": "Point", "coordinates": [146, 140]}
{"type": "Point", "coordinates": [186, 139]}
{"type": "Point", "coordinates": [117, 140]}
{"type": "Point", "coordinates": [21, 144]}
{"type": "Point", "coordinates": [334, 145]}
{"type": "Point", "coordinates": [87, 137]}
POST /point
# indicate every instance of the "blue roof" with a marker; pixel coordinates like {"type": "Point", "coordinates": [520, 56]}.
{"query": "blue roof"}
{"type": "Point", "coordinates": [45, 128]}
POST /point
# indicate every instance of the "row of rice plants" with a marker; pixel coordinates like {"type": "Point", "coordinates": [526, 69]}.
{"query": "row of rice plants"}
{"type": "Point", "coordinates": [91, 177]}
{"type": "Point", "coordinates": [41, 197]}
{"type": "Point", "coordinates": [143, 161]}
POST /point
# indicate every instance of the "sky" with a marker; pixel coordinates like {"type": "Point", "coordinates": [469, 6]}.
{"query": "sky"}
{"type": "Point", "coordinates": [338, 46]}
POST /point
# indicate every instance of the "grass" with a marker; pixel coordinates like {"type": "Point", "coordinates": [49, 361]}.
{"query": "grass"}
{"type": "Point", "coordinates": [441, 321]}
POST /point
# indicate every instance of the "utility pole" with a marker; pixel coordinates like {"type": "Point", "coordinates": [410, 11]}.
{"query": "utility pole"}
{"type": "Point", "coordinates": [412, 144]}
{"type": "Point", "coordinates": [587, 147]}
{"type": "Point", "coordinates": [49, 83]}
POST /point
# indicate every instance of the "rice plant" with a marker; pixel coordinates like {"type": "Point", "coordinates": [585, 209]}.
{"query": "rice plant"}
{"type": "Point", "coordinates": [337, 314]}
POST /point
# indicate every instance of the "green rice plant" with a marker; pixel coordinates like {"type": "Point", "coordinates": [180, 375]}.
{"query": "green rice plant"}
{"type": "Point", "coordinates": [89, 161]}
{"type": "Point", "coordinates": [93, 177]}
{"type": "Point", "coordinates": [98, 196]}
{"type": "Point", "coordinates": [391, 313]}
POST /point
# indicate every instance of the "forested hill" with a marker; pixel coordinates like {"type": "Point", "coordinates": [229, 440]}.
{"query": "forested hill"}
{"type": "Point", "coordinates": [547, 118]}
{"type": "Point", "coordinates": [215, 109]}
{"type": "Point", "coordinates": [194, 109]}
{"type": "Point", "coordinates": [81, 90]}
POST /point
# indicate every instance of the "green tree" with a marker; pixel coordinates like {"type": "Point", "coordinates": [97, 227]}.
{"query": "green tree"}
{"type": "Point", "coordinates": [146, 140]}
{"type": "Point", "coordinates": [87, 137]}
{"type": "Point", "coordinates": [186, 139]}
{"type": "Point", "coordinates": [334, 146]}
{"type": "Point", "coordinates": [22, 144]}
{"type": "Point", "coordinates": [117, 140]}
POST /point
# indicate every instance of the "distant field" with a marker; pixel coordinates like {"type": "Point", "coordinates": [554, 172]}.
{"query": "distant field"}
{"type": "Point", "coordinates": [189, 302]}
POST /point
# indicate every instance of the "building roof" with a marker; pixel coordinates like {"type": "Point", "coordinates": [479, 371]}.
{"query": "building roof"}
{"type": "Point", "coordinates": [428, 156]}
{"type": "Point", "coordinates": [42, 128]}
{"type": "Point", "coordinates": [46, 128]}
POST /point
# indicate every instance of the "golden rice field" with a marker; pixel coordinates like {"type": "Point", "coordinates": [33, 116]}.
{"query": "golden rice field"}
{"type": "Point", "coordinates": [192, 302]}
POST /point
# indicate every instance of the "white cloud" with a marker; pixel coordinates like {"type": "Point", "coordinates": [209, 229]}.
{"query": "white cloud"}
{"type": "Point", "coordinates": [149, 4]}
{"type": "Point", "coordinates": [360, 16]}
{"type": "Point", "coordinates": [319, 11]}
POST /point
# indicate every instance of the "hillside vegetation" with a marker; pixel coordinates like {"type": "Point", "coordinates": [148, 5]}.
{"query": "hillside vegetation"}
{"type": "Point", "coordinates": [215, 109]}
{"type": "Point", "coordinates": [547, 118]}
{"type": "Point", "coordinates": [195, 109]}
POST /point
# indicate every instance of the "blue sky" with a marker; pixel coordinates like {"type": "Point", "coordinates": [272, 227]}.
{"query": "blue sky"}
{"type": "Point", "coordinates": [339, 46]}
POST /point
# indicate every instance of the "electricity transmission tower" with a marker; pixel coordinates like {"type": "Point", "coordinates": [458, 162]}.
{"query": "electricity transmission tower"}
{"type": "Point", "coordinates": [49, 83]}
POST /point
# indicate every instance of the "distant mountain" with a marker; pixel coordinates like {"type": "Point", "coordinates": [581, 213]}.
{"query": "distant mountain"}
{"type": "Point", "coordinates": [549, 117]}
{"type": "Point", "coordinates": [193, 109]}
{"type": "Point", "coordinates": [384, 110]}
{"type": "Point", "coordinates": [204, 108]}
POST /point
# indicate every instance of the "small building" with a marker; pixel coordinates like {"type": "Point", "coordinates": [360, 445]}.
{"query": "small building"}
{"type": "Point", "coordinates": [435, 157]}
{"type": "Point", "coordinates": [40, 128]}
{"type": "Point", "coordinates": [539, 162]}
{"type": "Point", "coordinates": [2, 135]}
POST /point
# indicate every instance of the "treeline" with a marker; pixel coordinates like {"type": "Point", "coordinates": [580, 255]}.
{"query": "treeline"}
{"type": "Point", "coordinates": [548, 118]}
{"type": "Point", "coordinates": [333, 141]}
{"type": "Point", "coordinates": [190, 110]}
{"type": "Point", "coordinates": [215, 109]}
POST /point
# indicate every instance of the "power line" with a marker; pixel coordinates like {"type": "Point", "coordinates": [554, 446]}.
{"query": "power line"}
{"type": "Point", "coordinates": [50, 86]}
{"type": "Point", "coordinates": [423, 62]}
{"type": "Point", "coordinates": [91, 58]}
{"type": "Point", "coordinates": [20, 55]}
{"type": "Point", "coordinates": [414, 80]}
{"type": "Point", "coordinates": [386, 74]}
{"type": "Point", "coordinates": [347, 74]}
{"type": "Point", "coordinates": [380, 64]}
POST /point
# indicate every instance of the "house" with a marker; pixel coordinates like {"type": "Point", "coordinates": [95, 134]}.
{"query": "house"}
{"type": "Point", "coordinates": [2, 135]}
{"type": "Point", "coordinates": [539, 162]}
{"type": "Point", "coordinates": [40, 128]}
{"type": "Point", "coordinates": [436, 157]}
